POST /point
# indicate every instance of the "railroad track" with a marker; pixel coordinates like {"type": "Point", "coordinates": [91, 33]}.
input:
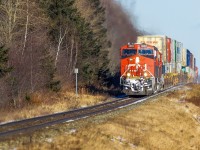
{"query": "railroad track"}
{"type": "Point", "coordinates": [29, 125]}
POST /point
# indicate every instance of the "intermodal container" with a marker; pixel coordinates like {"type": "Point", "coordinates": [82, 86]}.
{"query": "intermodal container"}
{"type": "Point", "coordinates": [191, 61]}
{"type": "Point", "coordinates": [184, 57]}
{"type": "Point", "coordinates": [178, 58]}
{"type": "Point", "coordinates": [159, 41]}
{"type": "Point", "coordinates": [169, 50]}
{"type": "Point", "coordinates": [179, 47]}
{"type": "Point", "coordinates": [173, 56]}
{"type": "Point", "coordinates": [197, 74]}
{"type": "Point", "coordinates": [173, 49]}
{"type": "Point", "coordinates": [178, 67]}
{"type": "Point", "coordinates": [168, 64]}
{"type": "Point", "coordinates": [188, 58]}
{"type": "Point", "coordinates": [168, 68]}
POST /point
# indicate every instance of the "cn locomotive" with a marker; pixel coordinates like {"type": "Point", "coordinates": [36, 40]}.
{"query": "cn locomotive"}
{"type": "Point", "coordinates": [155, 63]}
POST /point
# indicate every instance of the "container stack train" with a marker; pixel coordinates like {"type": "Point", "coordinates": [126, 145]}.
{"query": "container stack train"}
{"type": "Point", "coordinates": [154, 63]}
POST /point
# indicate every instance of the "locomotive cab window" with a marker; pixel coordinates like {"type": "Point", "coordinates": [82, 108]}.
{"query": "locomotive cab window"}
{"type": "Point", "coordinates": [145, 52]}
{"type": "Point", "coordinates": [128, 52]}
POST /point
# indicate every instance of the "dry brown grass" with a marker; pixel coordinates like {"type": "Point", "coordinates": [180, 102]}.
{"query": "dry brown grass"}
{"type": "Point", "coordinates": [193, 95]}
{"type": "Point", "coordinates": [41, 104]}
{"type": "Point", "coordinates": [165, 123]}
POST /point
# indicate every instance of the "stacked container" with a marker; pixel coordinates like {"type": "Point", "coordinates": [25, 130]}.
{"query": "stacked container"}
{"type": "Point", "coordinates": [168, 67]}
{"type": "Point", "coordinates": [188, 58]}
{"type": "Point", "coordinates": [163, 45]}
{"type": "Point", "coordinates": [157, 41]}
{"type": "Point", "coordinates": [184, 57]}
{"type": "Point", "coordinates": [191, 61]}
{"type": "Point", "coordinates": [188, 61]}
{"type": "Point", "coordinates": [176, 59]}
{"type": "Point", "coordinates": [173, 49]}
{"type": "Point", "coordinates": [169, 50]}
{"type": "Point", "coordinates": [196, 73]}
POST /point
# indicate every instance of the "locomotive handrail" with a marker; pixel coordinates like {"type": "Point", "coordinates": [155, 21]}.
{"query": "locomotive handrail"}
{"type": "Point", "coordinates": [126, 71]}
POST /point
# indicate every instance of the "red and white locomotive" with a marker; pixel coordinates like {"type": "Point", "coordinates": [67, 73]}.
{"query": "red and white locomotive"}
{"type": "Point", "coordinates": [154, 63]}
{"type": "Point", "coordinates": [141, 69]}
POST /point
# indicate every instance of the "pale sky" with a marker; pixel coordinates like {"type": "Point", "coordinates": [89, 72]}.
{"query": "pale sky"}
{"type": "Point", "coordinates": [178, 19]}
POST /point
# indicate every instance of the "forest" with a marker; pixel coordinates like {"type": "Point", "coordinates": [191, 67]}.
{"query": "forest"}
{"type": "Point", "coordinates": [43, 41]}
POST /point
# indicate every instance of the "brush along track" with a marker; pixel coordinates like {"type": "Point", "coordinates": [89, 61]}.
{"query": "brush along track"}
{"type": "Point", "coordinates": [29, 125]}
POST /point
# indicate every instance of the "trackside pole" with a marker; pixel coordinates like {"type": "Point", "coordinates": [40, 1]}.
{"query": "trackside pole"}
{"type": "Point", "coordinates": [76, 72]}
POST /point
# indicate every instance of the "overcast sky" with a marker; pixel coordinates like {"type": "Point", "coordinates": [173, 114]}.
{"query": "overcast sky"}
{"type": "Point", "coordinates": [178, 19]}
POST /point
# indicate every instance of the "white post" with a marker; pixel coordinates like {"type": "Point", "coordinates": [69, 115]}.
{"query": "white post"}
{"type": "Point", "coordinates": [76, 72]}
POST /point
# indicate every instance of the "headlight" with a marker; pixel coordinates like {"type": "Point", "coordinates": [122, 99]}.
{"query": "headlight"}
{"type": "Point", "coordinates": [137, 60]}
{"type": "Point", "coordinates": [145, 74]}
{"type": "Point", "coordinates": [128, 74]}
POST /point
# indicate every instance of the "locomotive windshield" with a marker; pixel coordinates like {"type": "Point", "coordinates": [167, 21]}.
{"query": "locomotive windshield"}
{"type": "Point", "coordinates": [128, 52]}
{"type": "Point", "coordinates": [145, 52]}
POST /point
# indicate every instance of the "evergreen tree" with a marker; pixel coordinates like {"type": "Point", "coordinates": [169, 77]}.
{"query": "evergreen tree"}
{"type": "Point", "coordinates": [100, 34]}
{"type": "Point", "coordinates": [90, 37]}
{"type": "Point", "coordinates": [49, 69]}
{"type": "Point", "coordinates": [3, 61]}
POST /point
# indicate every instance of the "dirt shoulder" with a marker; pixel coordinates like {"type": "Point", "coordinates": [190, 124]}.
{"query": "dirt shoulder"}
{"type": "Point", "coordinates": [171, 121]}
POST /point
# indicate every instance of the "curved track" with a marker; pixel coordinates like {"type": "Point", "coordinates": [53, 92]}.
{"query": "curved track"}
{"type": "Point", "coordinates": [29, 125]}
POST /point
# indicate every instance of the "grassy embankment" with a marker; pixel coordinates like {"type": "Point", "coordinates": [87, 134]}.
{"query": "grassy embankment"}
{"type": "Point", "coordinates": [171, 121]}
{"type": "Point", "coordinates": [39, 104]}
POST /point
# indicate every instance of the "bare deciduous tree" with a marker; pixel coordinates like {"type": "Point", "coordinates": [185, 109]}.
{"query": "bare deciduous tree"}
{"type": "Point", "coordinates": [9, 13]}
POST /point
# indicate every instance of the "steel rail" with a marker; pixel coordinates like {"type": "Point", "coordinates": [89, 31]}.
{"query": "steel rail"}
{"type": "Point", "coordinates": [68, 119]}
{"type": "Point", "coordinates": [40, 122]}
{"type": "Point", "coordinates": [56, 114]}
{"type": "Point", "coordinates": [32, 124]}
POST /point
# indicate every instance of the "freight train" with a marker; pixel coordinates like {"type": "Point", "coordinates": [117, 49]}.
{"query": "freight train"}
{"type": "Point", "coordinates": [154, 63]}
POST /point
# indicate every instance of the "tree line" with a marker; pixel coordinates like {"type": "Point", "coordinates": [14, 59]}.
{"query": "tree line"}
{"type": "Point", "coordinates": [43, 41]}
